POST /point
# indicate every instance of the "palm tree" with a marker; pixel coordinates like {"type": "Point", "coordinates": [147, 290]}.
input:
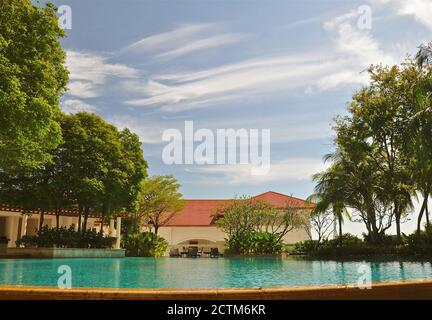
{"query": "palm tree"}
{"type": "Point", "coordinates": [424, 55]}
{"type": "Point", "coordinates": [329, 193]}
{"type": "Point", "coordinates": [419, 143]}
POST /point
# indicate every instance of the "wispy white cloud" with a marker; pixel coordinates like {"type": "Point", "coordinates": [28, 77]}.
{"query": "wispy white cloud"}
{"type": "Point", "coordinates": [201, 44]}
{"type": "Point", "coordinates": [183, 40]}
{"type": "Point", "coordinates": [149, 133]}
{"type": "Point", "coordinates": [420, 10]}
{"type": "Point", "coordinates": [299, 169]}
{"type": "Point", "coordinates": [342, 63]}
{"type": "Point", "coordinates": [75, 105]}
{"type": "Point", "coordinates": [170, 38]}
{"type": "Point", "coordinates": [203, 88]}
{"type": "Point", "coordinates": [90, 71]}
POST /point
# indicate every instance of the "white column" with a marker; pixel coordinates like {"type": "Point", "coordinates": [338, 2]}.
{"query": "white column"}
{"type": "Point", "coordinates": [24, 225]}
{"type": "Point", "coordinates": [14, 221]}
{"type": "Point", "coordinates": [335, 228]}
{"type": "Point", "coordinates": [111, 228]}
{"type": "Point", "coordinates": [118, 233]}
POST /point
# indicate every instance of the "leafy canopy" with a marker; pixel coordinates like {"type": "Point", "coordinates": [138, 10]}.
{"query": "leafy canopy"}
{"type": "Point", "coordinates": [32, 79]}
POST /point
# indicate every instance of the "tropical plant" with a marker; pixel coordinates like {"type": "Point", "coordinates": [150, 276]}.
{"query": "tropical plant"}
{"type": "Point", "coordinates": [252, 225]}
{"type": "Point", "coordinates": [145, 244]}
{"type": "Point", "coordinates": [66, 238]}
{"type": "Point", "coordinates": [419, 142]}
{"type": "Point", "coordinates": [158, 202]}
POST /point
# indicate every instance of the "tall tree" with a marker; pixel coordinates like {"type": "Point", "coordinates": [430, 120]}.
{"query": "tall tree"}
{"type": "Point", "coordinates": [372, 138]}
{"type": "Point", "coordinates": [158, 201]}
{"type": "Point", "coordinates": [328, 196]}
{"type": "Point", "coordinates": [419, 134]}
{"type": "Point", "coordinates": [32, 79]}
{"type": "Point", "coordinates": [92, 149]}
{"type": "Point", "coordinates": [126, 173]}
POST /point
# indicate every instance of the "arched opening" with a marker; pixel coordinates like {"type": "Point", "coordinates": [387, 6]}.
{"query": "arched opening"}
{"type": "Point", "coordinates": [204, 246]}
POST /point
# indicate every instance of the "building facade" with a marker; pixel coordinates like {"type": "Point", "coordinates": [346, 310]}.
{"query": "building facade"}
{"type": "Point", "coordinates": [14, 223]}
{"type": "Point", "coordinates": [195, 225]}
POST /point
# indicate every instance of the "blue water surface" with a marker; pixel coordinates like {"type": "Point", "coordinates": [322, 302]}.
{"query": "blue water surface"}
{"type": "Point", "coordinates": [204, 272]}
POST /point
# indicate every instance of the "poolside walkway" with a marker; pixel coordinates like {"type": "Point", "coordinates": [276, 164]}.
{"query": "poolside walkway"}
{"type": "Point", "coordinates": [405, 290]}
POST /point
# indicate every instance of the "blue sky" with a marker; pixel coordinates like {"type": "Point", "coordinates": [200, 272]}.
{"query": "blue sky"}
{"type": "Point", "coordinates": [287, 66]}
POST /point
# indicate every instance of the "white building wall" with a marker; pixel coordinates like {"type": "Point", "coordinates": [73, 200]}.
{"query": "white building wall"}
{"type": "Point", "coordinates": [178, 237]}
{"type": "Point", "coordinates": [12, 224]}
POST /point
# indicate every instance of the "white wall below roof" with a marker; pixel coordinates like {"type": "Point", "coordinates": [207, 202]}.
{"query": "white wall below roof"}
{"type": "Point", "coordinates": [179, 235]}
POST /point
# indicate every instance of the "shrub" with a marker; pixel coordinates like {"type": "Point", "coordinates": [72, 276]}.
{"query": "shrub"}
{"type": "Point", "coordinates": [254, 243]}
{"type": "Point", "coordinates": [145, 244]}
{"type": "Point", "coordinates": [420, 243]}
{"type": "Point", "coordinates": [307, 246]}
{"type": "Point", "coordinates": [66, 238]}
{"type": "Point", "coordinates": [4, 240]}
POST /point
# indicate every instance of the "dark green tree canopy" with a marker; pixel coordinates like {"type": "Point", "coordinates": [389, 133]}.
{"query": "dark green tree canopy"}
{"type": "Point", "coordinates": [32, 79]}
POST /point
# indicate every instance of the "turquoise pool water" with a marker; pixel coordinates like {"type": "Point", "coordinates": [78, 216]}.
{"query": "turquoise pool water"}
{"type": "Point", "coordinates": [203, 273]}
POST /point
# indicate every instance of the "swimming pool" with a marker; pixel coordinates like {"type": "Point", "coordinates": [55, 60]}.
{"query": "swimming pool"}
{"type": "Point", "coordinates": [204, 273]}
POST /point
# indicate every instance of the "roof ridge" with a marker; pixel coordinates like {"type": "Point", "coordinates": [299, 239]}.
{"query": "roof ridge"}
{"type": "Point", "coordinates": [282, 194]}
{"type": "Point", "coordinates": [207, 199]}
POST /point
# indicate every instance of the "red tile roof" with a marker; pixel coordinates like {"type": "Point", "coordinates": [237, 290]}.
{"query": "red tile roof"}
{"type": "Point", "coordinates": [201, 212]}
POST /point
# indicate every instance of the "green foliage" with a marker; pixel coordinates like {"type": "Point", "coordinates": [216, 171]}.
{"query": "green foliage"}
{"type": "Point", "coordinates": [254, 243]}
{"type": "Point", "coordinates": [4, 240]}
{"type": "Point", "coordinates": [158, 201]}
{"type": "Point", "coordinates": [66, 238]}
{"type": "Point", "coordinates": [96, 166]}
{"type": "Point", "coordinates": [32, 79]}
{"type": "Point", "coordinates": [349, 246]}
{"type": "Point", "coordinates": [145, 244]}
{"type": "Point", "coordinates": [307, 246]}
{"type": "Point", "coordinates": [256, 227]}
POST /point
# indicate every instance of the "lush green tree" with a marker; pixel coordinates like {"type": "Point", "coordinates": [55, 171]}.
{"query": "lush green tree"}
{"type": "Point", "coordinates": [370, 155]}
{"type": "Point", "coordinates": [127, 172]}
{"type": "Point", "coordinates": [419, 133]}
{"type": "Point", "coordinates": [241, 217]}
{"type": "Point", "coordinates": [32, 79]}
{"type": "Point", "coordinates": [105, 166]}
{"type": "Point", "coordinates": [250, 223]}
{"type": "Point", "coordinates": [328, 196]}
{"type": "Point", "coordinates": [158, 201]}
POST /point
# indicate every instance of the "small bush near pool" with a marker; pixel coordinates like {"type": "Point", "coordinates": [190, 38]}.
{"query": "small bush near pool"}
{"type": "Point", "coordinates": [254, 243]}
{"type": "Point", "coordinates": [145, 244]}
{"type": "Point", "coordinates": [413, 245]}
{"type": "Point", "coordinates": [66, 238]}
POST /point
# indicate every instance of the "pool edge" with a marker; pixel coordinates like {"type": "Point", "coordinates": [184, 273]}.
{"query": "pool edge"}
{"type": "Point", "coordinates": [395, 290]}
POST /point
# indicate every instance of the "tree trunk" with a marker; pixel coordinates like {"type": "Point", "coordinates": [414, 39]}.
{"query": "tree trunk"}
{"type": "Point", "coordinates": [340, 228]}
{"type": "Point", "coordinates": [57, 218]}
{"type": "Point", "coordinates": [79, 218]}
{"type": "Point", "coordinates": [41, 220]}
{"type": "Point", "coordinates": [398, 231]}
{"type": "Point", "coordinates": [86, 214]}
{"type": "Point", "coordinates": [104, 210]}
{"type": "Point", "coordinates": [420, 216]}
{"type": "Point", "coordinates": [427, 216]}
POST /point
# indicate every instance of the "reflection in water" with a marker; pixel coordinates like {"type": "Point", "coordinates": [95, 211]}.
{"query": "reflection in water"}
{"type": "Point", "coordinates": [402, 270]}
{"type": "Point", "coordinates": [203, 272]}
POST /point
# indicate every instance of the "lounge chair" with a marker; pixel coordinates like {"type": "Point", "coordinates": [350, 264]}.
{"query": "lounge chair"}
{"type": "Point", "coordinates": [174, 253]}
{"type": "Point", "coordinates": [193, 252]}
{"type": "Point", "coordinates": [214, 253]}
